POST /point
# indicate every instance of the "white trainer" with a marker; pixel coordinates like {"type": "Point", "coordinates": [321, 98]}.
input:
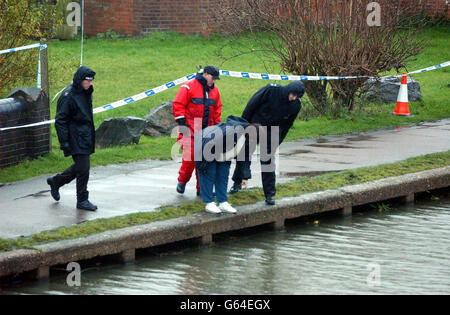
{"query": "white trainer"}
{"type": "Point", "coordinates": [212, 208]}
{"type": "Point", "coordinates": [226, 207]}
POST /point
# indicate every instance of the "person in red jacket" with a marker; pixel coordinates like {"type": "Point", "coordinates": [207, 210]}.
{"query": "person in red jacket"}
{"type": "Point", "coordinates": [196, 106]}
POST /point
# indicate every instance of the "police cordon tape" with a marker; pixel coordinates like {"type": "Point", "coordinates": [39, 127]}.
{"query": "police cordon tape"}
{"type": "Point", "coordinates": [42, 47]}
{"type": "Point", "coordinates": [279, 77]}
{"type": "Point", "coordinates": [117, 104]}
{"type": "Point", "coordinates": [249, 75]}
{"type": "Point", "coordinates": [10, 50]}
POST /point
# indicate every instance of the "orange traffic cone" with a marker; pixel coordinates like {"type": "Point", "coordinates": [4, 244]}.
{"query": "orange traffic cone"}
{"type": "Point", "coordinates": [402, 108]}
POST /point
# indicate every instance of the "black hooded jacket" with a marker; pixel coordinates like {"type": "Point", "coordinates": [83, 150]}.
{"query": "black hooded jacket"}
{"type": "Point", "coordinates": [270, 106]}
{"type": "Point", "coordinates": [74, 121]}
{"type": "Point", "coordinates": [222, 138]}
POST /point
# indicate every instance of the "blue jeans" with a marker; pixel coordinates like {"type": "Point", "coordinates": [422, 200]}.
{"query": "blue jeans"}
{"type": "Point", "coordinates": [216, 175]}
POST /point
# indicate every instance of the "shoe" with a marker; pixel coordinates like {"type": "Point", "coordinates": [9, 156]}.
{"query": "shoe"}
{"type": "Point", "coordinates": [86, 205]}
{"type": "Point", "coordinates": [270, 201]}
{"type": "Point", "coordinates": [236, 187]}
{"type": "Point", "coordinates": [54, 191]}
{"type": "Point", "coordinates": [181, 187]}
{"type": "Point", "coordinates": [226, 207]}
{"type": "Point", "coordinates": [198, 194]}
{"type": "Point", "coordinates": [212, 208]}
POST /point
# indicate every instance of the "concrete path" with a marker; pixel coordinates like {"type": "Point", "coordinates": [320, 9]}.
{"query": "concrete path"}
{"type": "Point", "coordinates": [26, 207]}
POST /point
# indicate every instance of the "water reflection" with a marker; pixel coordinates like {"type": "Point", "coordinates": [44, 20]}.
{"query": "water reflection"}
{"type": "Point", "coordinates": [410, 245]}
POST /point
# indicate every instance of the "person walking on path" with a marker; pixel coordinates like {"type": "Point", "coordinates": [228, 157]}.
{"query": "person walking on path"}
{"type": "Point", "coordinates": [197, 105]}
{"type": "Point", "coordinates": [215, 147]}
{"type": "Point", "coordinates": [74, 125]}
{"type": "Point", "coordinates": [272, 106]}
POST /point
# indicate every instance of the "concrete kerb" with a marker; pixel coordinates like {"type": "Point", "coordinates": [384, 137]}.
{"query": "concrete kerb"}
{"type": "Point", "coordinates": [203, 226]}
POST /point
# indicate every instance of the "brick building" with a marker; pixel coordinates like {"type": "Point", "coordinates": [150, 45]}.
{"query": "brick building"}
{"type": "Point", "coordinates": [140, 17]}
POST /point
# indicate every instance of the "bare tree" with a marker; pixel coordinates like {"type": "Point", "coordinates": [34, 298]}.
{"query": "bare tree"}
{"type": "Point", "coordinates": [327, 38]}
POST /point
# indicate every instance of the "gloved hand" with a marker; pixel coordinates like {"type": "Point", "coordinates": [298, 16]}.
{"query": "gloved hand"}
{"type": "Point", "coordinates": [181, 122]}
{"type": "Point", "coordinates": [182, 127]}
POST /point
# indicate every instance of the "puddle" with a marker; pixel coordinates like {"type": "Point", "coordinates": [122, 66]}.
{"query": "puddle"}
{"type": "Point", "coordinates": [41, 194]}
{"type": "Point", "coordinates": [361, 138]}
{"type": "Point", "coordinates": [300, 151]}
{"type": "Point", "coordinates": [332, 146]}
{"type": "Point", "coordinates": [307, 174]}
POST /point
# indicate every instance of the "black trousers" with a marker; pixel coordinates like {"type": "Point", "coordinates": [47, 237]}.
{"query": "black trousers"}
{"type": "Point", "coordinates": [80, 171]}
{"type": "Point", "coordinates": [268, 178]}
{"type": "Point", "coordinates": [268, 168]}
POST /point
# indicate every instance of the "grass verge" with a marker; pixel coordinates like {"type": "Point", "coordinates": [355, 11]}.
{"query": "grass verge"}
{"type": "Point", "coordinates": [126, 67]}
{"type": "Point", "coordinates": [300, 186]}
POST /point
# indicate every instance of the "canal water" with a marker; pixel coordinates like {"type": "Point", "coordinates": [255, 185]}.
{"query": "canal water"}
{"type": "Point", "coordinates": [396, 250]}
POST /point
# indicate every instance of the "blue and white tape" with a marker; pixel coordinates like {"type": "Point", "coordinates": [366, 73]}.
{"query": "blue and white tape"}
{"type": "Point", "coordinates": [143, 95]}
{"type": "Point", "coordinates": [280, 77]}
{"type": "Point", "coordinates": [120, 103]}
{"type": "Point", "coordinates": [442, 65]}
{"type": "Point", "coordinates": [249, 75]}
{"type": "Point", "coordinates": [42, 47]}
{"type": "Point", "coordinates": [10, 50]}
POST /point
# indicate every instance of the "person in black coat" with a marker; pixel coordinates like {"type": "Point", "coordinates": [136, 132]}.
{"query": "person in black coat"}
{"type": "Point", "coordinates": [74, 125]}
{"type": "Point", "coordinates": [272, 106]}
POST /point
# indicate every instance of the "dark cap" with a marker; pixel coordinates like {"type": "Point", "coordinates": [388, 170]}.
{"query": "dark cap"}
{"type": "Point", "coordinates": [212, 70]}
{"type": "Point", "coordinates": [84, 73]}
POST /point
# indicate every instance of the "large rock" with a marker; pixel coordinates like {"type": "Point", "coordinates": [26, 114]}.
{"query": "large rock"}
{"type": "Point", "coordinates": [160, 121]}
{"type": "Point", "coordinates": [119, 131]}
{"type": "Point", "coordinates": [386, 89]}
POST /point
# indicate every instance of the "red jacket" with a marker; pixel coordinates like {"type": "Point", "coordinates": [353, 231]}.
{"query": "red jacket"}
{"type": "Point", "coordinates": [196, 102]}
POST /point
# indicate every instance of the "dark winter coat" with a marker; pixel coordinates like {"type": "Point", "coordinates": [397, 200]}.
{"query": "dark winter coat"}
{"type": "Point", "coordinates": [74, 121]}
{"type": "Point", "coordinates": [270, 106]}
{"type": "Point", "coordinates": [220, 139]}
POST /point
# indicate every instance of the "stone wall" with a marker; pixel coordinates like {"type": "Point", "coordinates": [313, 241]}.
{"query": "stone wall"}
{"type": "Point", "coordinates": [24, 106]}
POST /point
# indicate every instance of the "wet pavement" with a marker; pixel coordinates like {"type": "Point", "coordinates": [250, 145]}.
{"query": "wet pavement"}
{"type": "Point", "coordinates": [26, 207]}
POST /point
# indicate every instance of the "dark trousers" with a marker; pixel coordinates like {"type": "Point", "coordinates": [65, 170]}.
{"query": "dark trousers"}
{"type": "Point", "coordinates": [268, 175]}
{"type": "Point", "coordinates": [268, 178]}
{"type": "Point", "coordinates": [80, 171]}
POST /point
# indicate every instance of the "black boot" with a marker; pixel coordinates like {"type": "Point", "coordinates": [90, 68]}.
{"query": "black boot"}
{"type": "Point", "coordinates": [236, 187]}
{"type": "Point", "coordinates": [86, 205]}
{"type": "Point", "coordinates": [181, 187]}
{"type": "Point", "coordinates": [270, 201]}
{"type": "Point", "coordinates": [54, 190]}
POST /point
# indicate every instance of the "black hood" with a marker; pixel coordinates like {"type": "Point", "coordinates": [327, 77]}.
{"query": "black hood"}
{"type": "Point", "coordinates": [296, 88]}
{"type": "Point", "coordinates": [237, 121]}
{"type": "Point", "coordinates": [81, 75]}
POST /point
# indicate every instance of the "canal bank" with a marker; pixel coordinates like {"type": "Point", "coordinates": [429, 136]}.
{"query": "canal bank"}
{"type": "Point", "coordinates": [203, 228]}
{"type": "Point", "coordinates": [27, 208]}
